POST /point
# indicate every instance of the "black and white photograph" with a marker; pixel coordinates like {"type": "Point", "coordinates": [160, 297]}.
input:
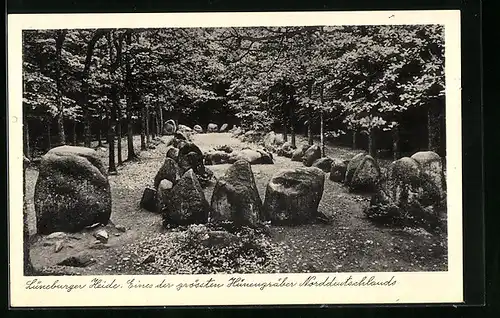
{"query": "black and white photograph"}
{"type": "Point", "coordinates": [273, 149]}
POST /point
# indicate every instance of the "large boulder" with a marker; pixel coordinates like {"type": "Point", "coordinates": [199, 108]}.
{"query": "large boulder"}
{"type": "Point", "coordinates": [87, 153]}
{"type": "Point", "coordinates": [253, 156]}
{"type": "Point", "coordinates": [223, 128]}
{"type": "Point", "coordinates": [206, 177]}
{"type": "Point", "coordinates": [252, 136]}
{"type": "Point", "coordinates": [169, 127]}
{"type": "Point", "coordinates": [224, 148]}
{"type": "Point", "coordinates": [267, 157]}
{"type": "Point", "coordinates": [235, 197]}
{"type": "Point", "coordinates": [169, 171]}
{"type": "Point", "coordinates": [163, 194]}
{"type": "Point", "coordinates": [338, 169]}
{"type": "Point", "coordinates": [190, 157]}
{"type": "Point", "coordinates": [238, 131]}
{"type": "Point", "coordinates": [181, 135]}
{"type": "Point", "coordinates": [312, 154]}
{"type": "Point", "coordinates": [191, 160]}
{"type": "Point", "coordinates": [149, 199]}
{"type": "Point", "coordinates": [212, 128]}
{"type": "Point", "coordinates": [405, 170]}
{"type": "Point", "coordinates": [273, 141]}
{"type": "Point", "coordinates": [324, 164]}
{"type": "Point", "coordinates": [293, 195]}
{"type": "Point", "coordinates": [172, 153]}
{"type": "Point", "coordinates": [72, 190]}
{"type": "Point", "coordinates": [367, 175]}
{"type": "Point", "coordinates": [298, 154]}
{"type": "Point", "coordinates": [352, 166]}
{"type": "Point", "coordinates": [198, 129]}
{"type": "Point", "coordinates": [187, 203]}
{"type": "Point", "coordinates": [184, 129]}
{"type": "Point", "coordinates": [178, 140]}
{"type": "Point", "coordinates": [286, 150]}
{"type": "Point", "coordinates": [432, 170]}
{"type": "Point", "coordinates": [180, 143]}
{"type": "Point", "coordinates": [216, 157]}
{"type": "Point", "coordinates": [407, 197]}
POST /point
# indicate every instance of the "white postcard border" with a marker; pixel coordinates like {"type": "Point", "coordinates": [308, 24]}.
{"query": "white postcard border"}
{"type": "Point", "coordinates": [416, 287]}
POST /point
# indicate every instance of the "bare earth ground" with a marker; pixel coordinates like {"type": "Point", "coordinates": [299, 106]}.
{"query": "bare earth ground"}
{"type": "Point", "coordinates": [350, 243]}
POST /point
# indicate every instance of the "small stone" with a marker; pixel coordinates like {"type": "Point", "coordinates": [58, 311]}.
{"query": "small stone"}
{"type": "Point", "coordinates": [126, 259]}
{"type": "Point", "coordinates": [117, 234]}
{"type": "Point", "coordinates": [93, 226]}
{"type": "Point", "coordinates": [148, 259]}
{"type": "Point", "coordinates": [56, 235]}
{"type": "Point", "coordinates": [102, 236]}
{"type": "Point", "coordinates": [80, 260]}
{"type": "Point", "coordinates": [58, 246]}
{"type": "Point", "coordinates": [99, 246]}
{"type": "Point", "coordinates": [121, 228]}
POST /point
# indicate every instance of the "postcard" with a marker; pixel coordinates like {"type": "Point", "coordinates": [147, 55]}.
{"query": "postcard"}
{"type": "Point", "coordinates": [205, 159]}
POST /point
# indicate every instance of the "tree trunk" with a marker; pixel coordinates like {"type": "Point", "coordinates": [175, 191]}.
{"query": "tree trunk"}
{"type": "Point", "coordinates": [395, 143]}
{"type": "Point", "coordinates": [160, 119]}
{"type": "Point", "coordinates": [74, 132]}
{"type": "Point", "coordinates": [292, 121]}
{"type": "Point", "coordinates": [157, 121]}
{"type": "Point", "coordinates": [433, 129]}
{"type": "Point", "coordinates": [27, 264]}
{"type": "Point", "coordinates": [26, 136]}
{"type": "Point", "coordinates": [354, 139]}
{"type": "Point", "coordinates": [85, 86]}
{"type": "Point", "coordinates": [130, 135]}
{"type": "Point", "coordinates": [148, 132]}
{"type": "Point", "coordinates": [131, 155]}
{"type": "Point", "coordinates": [86, 127]}
{"type": "Point", "coordinates": [111, 141]}
{"type": "Point", "coordinates": [49, 133]}
{"type": "Point", "coordinates": [114, 65]}
{"type": "Point", "coordinates": [60, 36]}
{"type": "Point", "coordinates": [143, 128]}
{"type": "Point", "coordinates": [60, 126]}
{"type": "Point", "coordinates": [322, 122]}
{"type": "Point", "coordinates": [153, 123]}
{"type": "Point", "coordinates": [285, 128]}
{"type": "Point", "coordinates": [119, 133]}
{"type": "Point", "coordinates": [99, 127]}
{"type": "Point", "coordinates": [372, 148]}
{"type": "Point", "coordinates": [322, 132]}
{"type": "Point", "coordinates": [310, 139]}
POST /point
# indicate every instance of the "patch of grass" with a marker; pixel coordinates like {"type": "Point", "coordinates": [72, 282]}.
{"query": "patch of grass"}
{"type": "Point", "coordinates": [183, 252]}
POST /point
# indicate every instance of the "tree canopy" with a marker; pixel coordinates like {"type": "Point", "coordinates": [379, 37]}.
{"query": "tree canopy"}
{"type": "Point", "coordinates": [351, 78]}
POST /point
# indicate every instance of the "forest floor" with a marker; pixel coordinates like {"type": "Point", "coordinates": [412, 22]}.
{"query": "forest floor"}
{"type": "Point", "coordinates": [351, 243]}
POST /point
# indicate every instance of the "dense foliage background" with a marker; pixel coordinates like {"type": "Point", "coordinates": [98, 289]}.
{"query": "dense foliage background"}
{"type": "Point", "coordinates": [380, 88]}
